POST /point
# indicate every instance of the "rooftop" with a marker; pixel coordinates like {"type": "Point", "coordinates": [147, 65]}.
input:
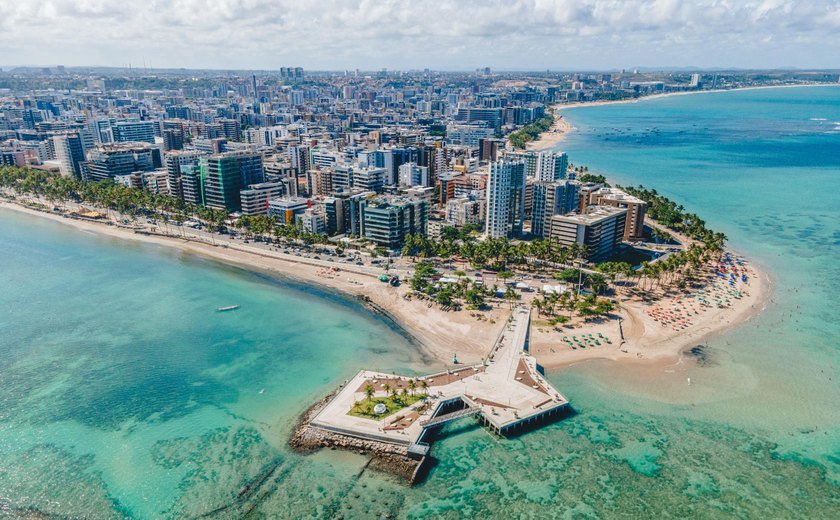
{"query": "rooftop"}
{"type": "Point", "coordinates": [593, 215]}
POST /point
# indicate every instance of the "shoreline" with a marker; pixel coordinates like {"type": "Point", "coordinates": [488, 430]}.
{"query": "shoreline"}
{"type": "Point", "coordinates": [566, 106]}
{"type": "Point", "coordinates": [558, 132]}
{"type": "Point", "coordinates": [439, 335]}
{"type": "Point", "coordinates": [562, 127]}
{"type": "Point", "coordinates": [437, 340]}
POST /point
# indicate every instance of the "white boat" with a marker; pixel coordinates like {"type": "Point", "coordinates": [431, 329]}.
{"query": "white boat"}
{"type": "Point", "coordinates": [228, 308]}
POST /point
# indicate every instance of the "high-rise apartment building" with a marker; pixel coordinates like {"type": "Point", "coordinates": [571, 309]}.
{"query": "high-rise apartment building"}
{"type": "Point", "coordinates": [224, 175]}
{"type": "Point", "coordinates": [549, 199]}
{"type": "Point", "coordinates": [542, 166]}
{"type": "Point", "coordinates": [469, 134]}
{"type": "Point", "coordinates": [505, 199]}
{"type": "Point", "coordinates": [70, 153]}
{"type": "Point", "coordinates": [492, 116]}
{"type": "Point", "coordinates": [413, 175]}
{"type": "Point", "coordinates": [601, 230]}
{"type": "Point", "coordinates": [255, 198]}
{"type": "Point", "coordinates": [369, 179]}
{"type": "Point", "coordinates": [181, 169]}
{"type": "Point", "coordinates": [112, 160]}
{"type": "Point", "coordinates": [634, 228]}
{"type": "Point", "coordinates": [387, 222]}
{"type": "Point", "coordinates": [551, 166]}
{"type": "Point", "coordinates": [134, 131]}
{"type": "Point", "coordinates": [173, 139]}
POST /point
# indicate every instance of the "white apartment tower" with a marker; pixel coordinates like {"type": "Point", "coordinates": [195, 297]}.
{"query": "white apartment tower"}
{"type": "Point", "coordinates": [551, 166]}
{"type": "Point", "coordinates": [412, 175]}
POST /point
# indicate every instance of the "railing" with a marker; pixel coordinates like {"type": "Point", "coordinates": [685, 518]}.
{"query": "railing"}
{"type": "Point", "coordinates": [466, 412]}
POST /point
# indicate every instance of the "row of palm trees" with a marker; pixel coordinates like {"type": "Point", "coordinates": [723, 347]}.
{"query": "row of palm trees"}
{"type": "Point", "coordinates": [530, 131]}
{"type": "Point", "coordinates": [396, 396]}
{"type": "Point", "coordinates": [392, 391]}
{"type": "Point", "coordinates": [267, 226]}
{"type": "Point", "coordinates": [674, 216]}
{"type": "Point", "coordinates": [472, 294]}
{"type": "Point", "coordinates": [133, 203]}
{"type": "Point", "coordinates": [587, 306]}
{"type": "Point", "coordinates": [496, 254]}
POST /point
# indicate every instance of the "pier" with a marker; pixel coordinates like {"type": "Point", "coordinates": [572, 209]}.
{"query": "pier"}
{"type": "Point", "coordinates": [507, 392]}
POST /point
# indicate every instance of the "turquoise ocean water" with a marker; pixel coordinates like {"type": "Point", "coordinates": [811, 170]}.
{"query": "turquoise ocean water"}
{"type": "Point", "coordinates": [123, 394]}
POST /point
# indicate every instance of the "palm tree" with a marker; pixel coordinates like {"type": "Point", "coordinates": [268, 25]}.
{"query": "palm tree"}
{"type": "Point", "coordinates": [511, 295]}
{"type": "Point", "coordinates": [369, 392]}
{"type": "Point", "coordinates": [412, 385]}
{"type": "Point", "coordinates": [425, 386]}
{"type": "Point", "coordinates": [538, 304]}
{"type": "Point", "coordinates": [597, 282]}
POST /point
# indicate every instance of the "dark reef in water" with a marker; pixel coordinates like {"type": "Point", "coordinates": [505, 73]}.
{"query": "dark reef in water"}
{"type": "Point", "coordinates": [703, 354]}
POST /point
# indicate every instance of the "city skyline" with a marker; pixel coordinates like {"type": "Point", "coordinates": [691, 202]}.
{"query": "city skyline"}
{"type": "Point", "coordinates": [464, 35]}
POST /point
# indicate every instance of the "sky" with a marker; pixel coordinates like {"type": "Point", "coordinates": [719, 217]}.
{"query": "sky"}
{"type": "Point", "coordinates": [412, 34]}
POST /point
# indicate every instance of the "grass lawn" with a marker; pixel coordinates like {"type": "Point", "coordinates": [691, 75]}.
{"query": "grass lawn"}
{"type": "Point", "coordinates": [365, 407]}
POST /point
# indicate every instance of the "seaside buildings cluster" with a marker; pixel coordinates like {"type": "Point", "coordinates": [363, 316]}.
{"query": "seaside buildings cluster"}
{"type": "Point", "coordinates": [365, 158]}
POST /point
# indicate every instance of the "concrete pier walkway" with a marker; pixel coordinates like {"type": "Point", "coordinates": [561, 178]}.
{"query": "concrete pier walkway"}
{"type": "Point", "coordinates": [506, 391]}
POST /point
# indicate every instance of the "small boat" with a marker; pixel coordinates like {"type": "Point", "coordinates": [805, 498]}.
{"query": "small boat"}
{"type": "Point", "coordinates": [228, 308]}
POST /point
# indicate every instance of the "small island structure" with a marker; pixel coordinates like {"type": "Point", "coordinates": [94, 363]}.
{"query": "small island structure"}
{"type": "Point", "coordinates": [507, 391]}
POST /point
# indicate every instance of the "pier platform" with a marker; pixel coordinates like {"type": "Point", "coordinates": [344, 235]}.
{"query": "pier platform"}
{"type": "Point", "coordinates": [507, 391]}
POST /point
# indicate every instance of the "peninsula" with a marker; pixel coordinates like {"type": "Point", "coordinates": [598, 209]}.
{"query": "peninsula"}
{"type": "Point", "coordinates": [465, 226]}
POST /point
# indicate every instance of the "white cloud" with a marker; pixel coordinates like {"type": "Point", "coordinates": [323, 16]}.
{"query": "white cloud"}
{"type": "Point", "coordinates": [421, 33]}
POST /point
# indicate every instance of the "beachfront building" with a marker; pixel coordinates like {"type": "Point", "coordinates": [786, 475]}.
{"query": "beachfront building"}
{"type": "Point", "coordinates": [286, 209]}
{"type": "Point", "coordinates": [634, 228]}
{"type": "Point", "coordinates": [387, 221]}
{"type": "Point", "coordinates": [225, 174]}
{"type": "Point", "coordinates": [255, 199]}
{"type": "Point", "coordinates": [180, 165]}
{"type": "Point", "coordinates": [155, 181]}
{"type": "Point", "coordinates": [312, 220]}
{"type": "Point", "coordinates": [70, 153]}
{"type": "Point", "coordinates": [585, 190]}
{"type": "Point", "coordinates": [346, 211]}
{"type": "Point", "coordinates": [112, 160]}
{"type": "Point", "coordinates": [601, 230]}
{"type": "Point", "coordinates": [505, 199]}
{"type": "Point", "coordinates": [549, 199]}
